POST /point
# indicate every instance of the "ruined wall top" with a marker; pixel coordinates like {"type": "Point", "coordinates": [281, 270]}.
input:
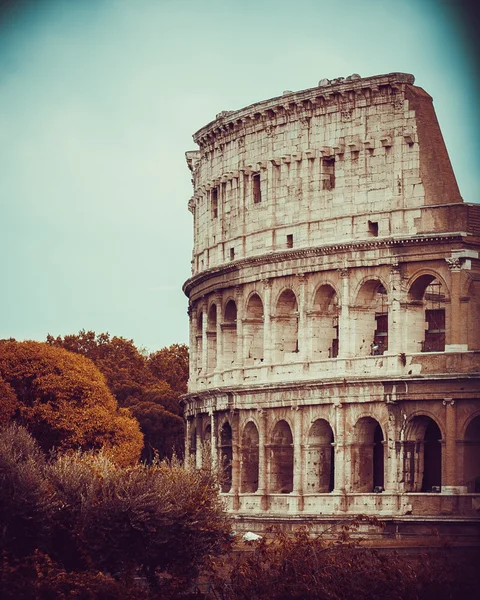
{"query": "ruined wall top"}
{"type": "Point", "coordinates": [341, 91]}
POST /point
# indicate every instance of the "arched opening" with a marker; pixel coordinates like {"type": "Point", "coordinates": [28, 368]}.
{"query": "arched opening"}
{"type": "Point", "coordinates": [250, 459]}
{"type": "Point", "coordinates": [253, 330]}
{"type": "Point", "coordinates": [368, 458]}
{"type": "Point", "coordinates": [199, 343]}
{"type": "Point", "coordinates": [212, 338]}
{"type": "Point", "coordinates": [226, 455]}
{"type": "Point", "coordinates": [319, 457]}
{"type": "Point", "coordinates": [471, 456]}
{"type": "Point", "coordinates": [229, 329]}
{"type": "Point", "coordinates": [426, 324]}
{"type": "Point", "coordinates": [281, 459]}
{"type": "Point", "coordinates": [325, 323]}
{"type": "Point", "coordinates": [473, 316]}
{"type": "Point", "coordinates": [285, 326]}
{"type": "Point", "coordinates": [422, 456]}
{"type": "Point", "coordinates": [370, 316]}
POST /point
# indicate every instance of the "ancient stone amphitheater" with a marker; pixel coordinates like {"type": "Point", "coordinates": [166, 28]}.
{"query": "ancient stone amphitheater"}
{"type": "Point", "coordinates": [334, 311]}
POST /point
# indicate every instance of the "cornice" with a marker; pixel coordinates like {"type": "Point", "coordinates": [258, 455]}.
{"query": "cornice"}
{"type": "Point", "coordinates": [327, 249]}
{"type": "Point", "coordinates": [342, 92]}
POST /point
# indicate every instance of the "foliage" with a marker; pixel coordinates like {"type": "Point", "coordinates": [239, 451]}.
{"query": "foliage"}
{"type": "Point", "coordinates": [26, 503]}
{"type": "Point", "coordinates": [163, 431]}
{"type": "Point", "coordinates": [64, 402]}
{"type": "Point", "coordinates": [163, 521]}
{"type": "Point", "coordinates": [135, 379]}
{"type": "Point", "coordinates": [307, 567]}
{"type": "Point", "coordinates": [8, 402]}
{"type": "Point", "coordinates": [171, 364]}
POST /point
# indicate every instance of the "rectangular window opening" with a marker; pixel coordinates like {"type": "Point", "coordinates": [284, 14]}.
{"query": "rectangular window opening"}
{"type": "Point", "coordinates": [328, 172]}
{"type": "Point", "coordinates": [290, 240]}
{"type": "Point", "coordinates": [214, 202]}
{"type": "Point", "coordinates": [373, 228]}
{"type": "Point", "coordinates": [232, 253]}
{"type": "Point", "coordinates": [257, 191]}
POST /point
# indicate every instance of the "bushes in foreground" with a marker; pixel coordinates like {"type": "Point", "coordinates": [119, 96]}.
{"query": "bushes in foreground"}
{"type": "Point", "coordinates": [80, 519]}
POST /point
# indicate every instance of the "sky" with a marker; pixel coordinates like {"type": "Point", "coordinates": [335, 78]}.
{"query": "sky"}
{"type": "Point", "coordinates": [98, 103]}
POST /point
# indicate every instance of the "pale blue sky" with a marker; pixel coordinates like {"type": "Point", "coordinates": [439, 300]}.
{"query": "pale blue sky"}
{"type": "Point", "coordinates": [98, 103]}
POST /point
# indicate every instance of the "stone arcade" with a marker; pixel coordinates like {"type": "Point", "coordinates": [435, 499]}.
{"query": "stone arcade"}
{"type": "Point", "coordinates": [334, 311]}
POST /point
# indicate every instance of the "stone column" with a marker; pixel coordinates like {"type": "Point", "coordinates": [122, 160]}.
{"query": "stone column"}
{"type": "Point", "coordinates": [340, 454]}
{"type": "Point", "coordinates": [188, 433]}
{"type": "Point", "coordinates": [235, 418]}
{"type": "Point", "coordinates": [456, 317]}
{"type": "Point", "coordinates": [267, 323]}
{"type": "Point", "coordinates": [391, 472]}
{"type": "Point", "coordinates": [204, 340]}
{"type": "Point", "coordinates": [219, 357]}
{"type": "Point", "coordinates": [198, 441]}
{"type": "Point", "coordinates": [449, 460]}
{"type": "Point", "coordinates": [262, 459]}
{"type": "Point", "coordinates": [344, 324]}
{"type": "Point", "coordinates": [213, 439]}
{"type": "Point", "coordinates": [298, 460]}
{"type": "Point", "coordinates": [240, 317]}
{"type": "Point", "coordinates": [302, 320]}
{"type": "Point", "coordinates": [395, 317]}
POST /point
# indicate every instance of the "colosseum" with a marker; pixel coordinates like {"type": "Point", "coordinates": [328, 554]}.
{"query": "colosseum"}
{"type": "Point", "coordinates": [334, 311]}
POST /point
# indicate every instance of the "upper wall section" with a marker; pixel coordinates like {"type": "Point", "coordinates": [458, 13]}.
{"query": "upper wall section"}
{"type": "Point", "coordinates": [348, 160]}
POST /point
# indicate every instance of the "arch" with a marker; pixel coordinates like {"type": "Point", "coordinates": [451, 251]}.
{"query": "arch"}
{"type": "Point", "coordinates": [320, 463]}
{"type": "Point", "coordinates": [473, 318]}
{"type": "Point", "coordinates": [370, 317]}
{"type": "Point", "coordinates": [250, 458]}
{"type": "Point", "coordinates": [212, 338]}
{"type": "Point", "coordinates": [226, 454]}
{"type": "Point", "coordinates": [425, 314]}
{"type": "Point", "coordinates": [193, 441]}
{"type": "Point", "coordinates": [324, 323]}
{"type": "Point", "coordinates": [229, 331]}
{"type": "Point", "coordinates": [422, 455]}
{"type": "Point", "coordinates": [281, 459]}
{"type": "Point", "coordinates": [253, 330]}
{"type": "Point", "coordinates": [471, 456]}
{"type": "Point", "coordinates": [285, 326]}
{"type": "Point", "coordinates": [368, 456]}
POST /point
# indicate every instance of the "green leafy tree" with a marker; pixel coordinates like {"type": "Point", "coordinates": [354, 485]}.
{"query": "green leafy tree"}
{"type": "Point", "coordinates": [64, 402]}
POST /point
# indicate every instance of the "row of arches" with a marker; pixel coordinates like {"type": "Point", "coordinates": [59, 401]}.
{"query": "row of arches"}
{"type": "Point", "coordinates": [421, 470]}
{"type": "Point", "coordinates": [368, 331]}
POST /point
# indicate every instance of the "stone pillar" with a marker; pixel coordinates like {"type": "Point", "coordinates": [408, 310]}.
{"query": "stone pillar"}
{"type": "Point", "coordinates": [344, 324]}
{"type": "Point", "coordinates": [219, 357]}
{"type": "Point", "coordinates": [396, 343]}
{"type": "Point", "coordinates": [188, 433]}
{"type": "Point", "coordinates": [240, 317]}
{"type": "Point", "coordinates": [449, 448]}
{"type": "Point", "coordinates": [267, 323]}
{"type": "Point", "coordinates": [198, 441]}
{"type": "Point", "coordinates": [213, 439]}
{"type": "Point", "coordinates": [340, 454]}
{"type": "Point", "coordinates": [298, 459]}
{"type": "Point", "coordinates": [262, 459]}
{"type": "Point", "coordinates": [302, 320]}
{"type": "Point", "coordinates": [391, 474]}
{"type": "Point", "coordinates": [192, 313]}
{"type": "Point", "coordinates": [204, 340]}
{"type": "Point", "coordinates": [456, 317]}
{"type": "Point", "coordinates": [235, 418]}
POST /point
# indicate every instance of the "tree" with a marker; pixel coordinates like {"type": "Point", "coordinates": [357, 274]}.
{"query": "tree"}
{"type": "Point", "coordinates": [136, 379]}
{"type": "Point", "coordinates": [163, 431]}
{"type": "Point", "coordinates": [64, 402]}
{"type": "Point", "coordinates": [171, 364]}
{"type": "Point", "coordinates": [8, 402]}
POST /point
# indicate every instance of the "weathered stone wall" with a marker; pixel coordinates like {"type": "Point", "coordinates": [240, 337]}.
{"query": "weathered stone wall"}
{"type": "Point", "coordinates": [334, 307]}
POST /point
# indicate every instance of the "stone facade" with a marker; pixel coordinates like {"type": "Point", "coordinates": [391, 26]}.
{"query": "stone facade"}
{"type": "Point", "coordinates": [334, 308]}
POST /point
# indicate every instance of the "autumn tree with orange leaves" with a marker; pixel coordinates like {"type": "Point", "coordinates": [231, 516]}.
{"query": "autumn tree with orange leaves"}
{"type": "Point", "coordinates": [63, 401]}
